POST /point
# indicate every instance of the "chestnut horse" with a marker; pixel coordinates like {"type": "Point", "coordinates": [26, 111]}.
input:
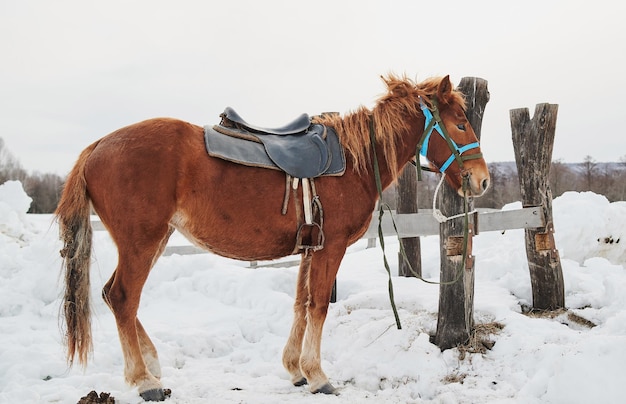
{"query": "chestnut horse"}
{"type": "Point", "coordinates": [150, 178]}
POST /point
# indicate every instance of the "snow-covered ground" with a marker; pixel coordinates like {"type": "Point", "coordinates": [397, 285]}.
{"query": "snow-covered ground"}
{"type": "Point", "coordinates": [220, 326]}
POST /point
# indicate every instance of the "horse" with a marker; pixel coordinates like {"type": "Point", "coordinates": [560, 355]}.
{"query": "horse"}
{"type": "Point", "coordinates": [150, 178]}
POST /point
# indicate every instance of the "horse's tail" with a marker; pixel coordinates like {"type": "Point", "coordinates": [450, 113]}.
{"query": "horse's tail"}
{"type": "Point", "coordinates": [75, 232]}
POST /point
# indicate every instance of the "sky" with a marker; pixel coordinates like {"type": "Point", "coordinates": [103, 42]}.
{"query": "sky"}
{"type": "Point", "coordinates": [74, 71]}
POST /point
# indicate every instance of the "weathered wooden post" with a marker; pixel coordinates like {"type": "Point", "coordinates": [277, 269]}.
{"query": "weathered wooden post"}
{"type": "Point", "coordinates": [533, 143]}
{"type": "Point", "coordinates": [456, 300]}
{"type": "Point", "coordinates": [406, 202]}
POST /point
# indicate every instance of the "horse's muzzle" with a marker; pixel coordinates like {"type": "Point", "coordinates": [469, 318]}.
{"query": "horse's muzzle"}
{"type": "Point", "coordinates": [476, 186]}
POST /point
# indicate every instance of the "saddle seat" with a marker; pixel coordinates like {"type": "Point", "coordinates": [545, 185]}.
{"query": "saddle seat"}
{"type": "Point", "coordinates": [298, 125]}
{"type": "Point", "coordinates": [300, 148]}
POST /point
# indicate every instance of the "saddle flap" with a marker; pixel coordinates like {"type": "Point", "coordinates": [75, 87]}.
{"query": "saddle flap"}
{"type": "Point", "coordinates": [303, 156]}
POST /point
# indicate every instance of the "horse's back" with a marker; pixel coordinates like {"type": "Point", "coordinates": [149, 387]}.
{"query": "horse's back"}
{"type": "Point", "coordinates": [158, 136]}
{"type": "Point", "coordinates": [153, 146]}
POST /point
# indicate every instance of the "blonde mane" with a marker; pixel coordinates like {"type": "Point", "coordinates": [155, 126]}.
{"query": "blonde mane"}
{"type": "Point", "coordinates": [390, 119]}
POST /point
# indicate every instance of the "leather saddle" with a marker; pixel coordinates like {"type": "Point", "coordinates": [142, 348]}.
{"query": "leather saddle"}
{"type": "Point", "coordinates": [300, 148]}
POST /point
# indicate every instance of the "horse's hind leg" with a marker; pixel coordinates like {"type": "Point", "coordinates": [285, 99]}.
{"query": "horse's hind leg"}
{"type": "Point", "coordinates": [148, 350]}
{"type": "Point", "coordinates": [293, 348]}
{"type": "Point", "coordinates": [122, 293]}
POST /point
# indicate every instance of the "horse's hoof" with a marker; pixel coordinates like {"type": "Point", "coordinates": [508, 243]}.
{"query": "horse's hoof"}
{"type": "Point", "coordinates": [300, 382]}
{"type": "Point", "coordinates": [327, 389]}
{"type": "Point", "coordinates": [153, 395]}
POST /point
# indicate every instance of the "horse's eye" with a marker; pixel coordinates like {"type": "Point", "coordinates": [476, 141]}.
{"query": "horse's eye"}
{"type": "Point", "coordinates": [461, 126]}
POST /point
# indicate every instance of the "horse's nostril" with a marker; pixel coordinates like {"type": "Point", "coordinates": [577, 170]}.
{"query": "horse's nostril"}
{"type": "Point", "coordinates": [485, 184]}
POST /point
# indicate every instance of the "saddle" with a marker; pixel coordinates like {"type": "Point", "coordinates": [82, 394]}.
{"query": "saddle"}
{"type": "Point", "coordinates": [300, 148]}
{"type": "Point", "coordinates": [298, 125]}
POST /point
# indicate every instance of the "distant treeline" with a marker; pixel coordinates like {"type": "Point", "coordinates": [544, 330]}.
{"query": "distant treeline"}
{"type": "Point", "coordinates": [608, 179]}
{"type": "Point", "coordinates": [44, 189]}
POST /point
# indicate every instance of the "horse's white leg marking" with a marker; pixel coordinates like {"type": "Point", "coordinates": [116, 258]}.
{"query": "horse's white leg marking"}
{"type": "Point", "coordinates": [134, 372]}
{"type": "Point", "coordinates": [148, 351]}
{"type": "Point", "coordinates": [310, 359]}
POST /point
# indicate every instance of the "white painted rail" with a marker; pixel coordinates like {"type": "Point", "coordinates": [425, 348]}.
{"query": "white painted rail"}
{"type": "Point", "coordinates": [414, 225]}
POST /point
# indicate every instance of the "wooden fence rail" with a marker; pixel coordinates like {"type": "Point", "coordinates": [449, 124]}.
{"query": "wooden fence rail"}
{"type": "Point", "coordinates": [412, 225]}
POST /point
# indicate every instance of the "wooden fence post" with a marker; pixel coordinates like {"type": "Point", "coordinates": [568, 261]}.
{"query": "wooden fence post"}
{"type": "Point", "coordinates": [406, 202]}
{"type": "Point", "coordinates": [456, 301]}
{"type": "Point", "coordinates": [533, 143]}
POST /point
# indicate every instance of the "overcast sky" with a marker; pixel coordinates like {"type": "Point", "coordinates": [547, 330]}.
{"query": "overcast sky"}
{"type": "Point", "coordinates": [73, 71]}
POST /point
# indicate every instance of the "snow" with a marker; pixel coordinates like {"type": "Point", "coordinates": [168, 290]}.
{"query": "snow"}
{"type": "Point", "coordinates": [220, 326]}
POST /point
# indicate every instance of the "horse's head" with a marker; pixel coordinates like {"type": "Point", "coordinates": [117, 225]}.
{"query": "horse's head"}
{"type": "Point", "coordinates": [450, 144]}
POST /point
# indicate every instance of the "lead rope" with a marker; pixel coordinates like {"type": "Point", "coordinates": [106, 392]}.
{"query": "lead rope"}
{"type": "Point", "coordinates": [381, 212]}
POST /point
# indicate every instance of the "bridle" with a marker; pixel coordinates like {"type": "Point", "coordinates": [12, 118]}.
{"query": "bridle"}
{"type": "Point", "coordinates": [433, 122]}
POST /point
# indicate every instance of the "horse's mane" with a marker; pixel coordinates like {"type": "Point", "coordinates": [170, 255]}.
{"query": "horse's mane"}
{"type": "Point", "coordinates": [389, 113]}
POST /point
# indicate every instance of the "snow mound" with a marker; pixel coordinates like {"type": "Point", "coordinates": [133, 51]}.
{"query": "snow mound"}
{"type": "Point", "coordinates": [587, 225]}
{"type": "Point", "coordinates": [14, 203]}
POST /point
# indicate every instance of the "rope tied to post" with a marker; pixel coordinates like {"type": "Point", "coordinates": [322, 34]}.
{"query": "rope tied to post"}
{"type": "Point", "coordinates": [440, 217]}
{"type": "Point", "coordinates": [443, 219]}
{"type": "Point", "coordinates": [381, 211]}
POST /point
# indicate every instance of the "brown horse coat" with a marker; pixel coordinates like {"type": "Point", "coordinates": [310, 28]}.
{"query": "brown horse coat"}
{"type": "Point", "coordinates": [147, 179]}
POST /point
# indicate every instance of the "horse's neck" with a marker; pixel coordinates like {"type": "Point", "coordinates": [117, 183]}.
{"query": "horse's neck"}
{"type": "Point", "coordinates": [384, 173]}
{"type": "Point", "coordinates": [405, 153]}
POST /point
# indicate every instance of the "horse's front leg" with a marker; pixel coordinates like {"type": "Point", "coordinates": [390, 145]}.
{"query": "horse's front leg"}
{"type": "Point", "coordinates": [324, 267]}
{"type": "Point", "coordinates": [293, 348]}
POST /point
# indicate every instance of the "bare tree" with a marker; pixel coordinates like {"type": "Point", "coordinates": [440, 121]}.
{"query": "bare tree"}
{"type": "Point", "coordinates": [10, 167]}
{"type": "Point", "coordinates": [589, 171]}
{"type": "Point", "coordinates": [557, 170]}
{"type": "Point", "coordinates": [45, 189]}
{"type": "Point", "coordinates": [496, 195]}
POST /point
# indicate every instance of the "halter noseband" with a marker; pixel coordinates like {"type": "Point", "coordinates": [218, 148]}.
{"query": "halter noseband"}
{"type": "Point", "coordinates": [433, 121]}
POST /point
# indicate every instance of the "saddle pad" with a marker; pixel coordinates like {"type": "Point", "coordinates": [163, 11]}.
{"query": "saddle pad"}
{"type": "Point", "coordinates": [309, 155]}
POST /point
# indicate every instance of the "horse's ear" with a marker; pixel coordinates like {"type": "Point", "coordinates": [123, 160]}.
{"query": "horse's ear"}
{"type": "Point", "coordinates": [445, 90]}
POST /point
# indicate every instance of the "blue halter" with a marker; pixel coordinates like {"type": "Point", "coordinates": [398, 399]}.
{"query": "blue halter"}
{"type": "Point", "coordinates": [434, 122]}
